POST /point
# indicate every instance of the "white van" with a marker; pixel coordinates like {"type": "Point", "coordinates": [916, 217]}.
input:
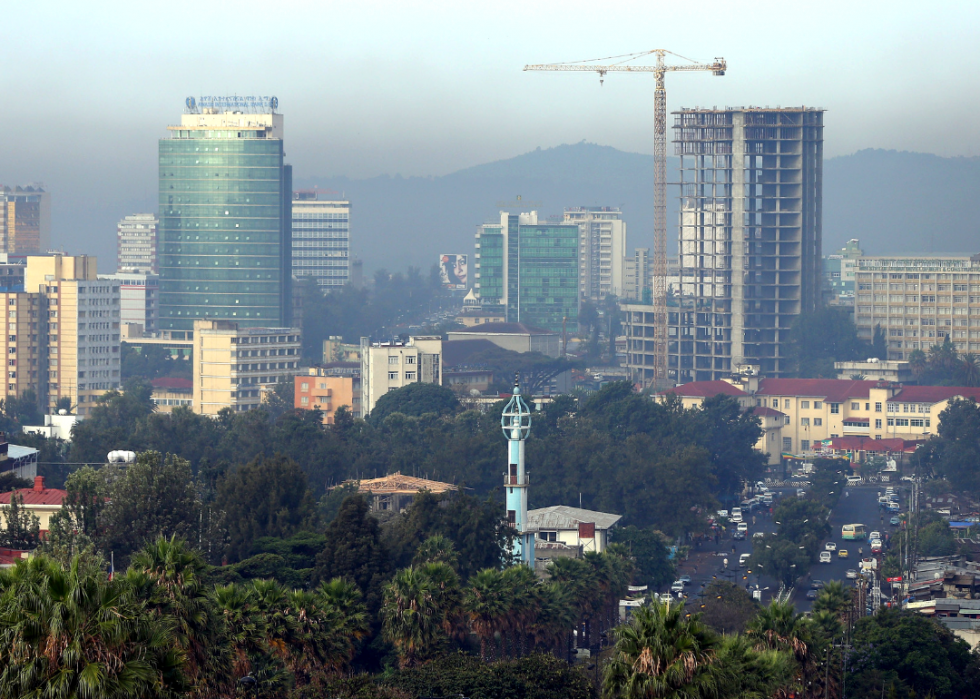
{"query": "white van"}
{"type": "Point", "coordinates": [736, 512]}
{"type": "Point", "coordinates": [742, 559]}
{"type": "Point", "coordinates": [743, 527]}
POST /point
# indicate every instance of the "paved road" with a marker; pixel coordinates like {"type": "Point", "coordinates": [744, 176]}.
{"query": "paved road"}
{"type": "Point", "coordinates": [859, 505]}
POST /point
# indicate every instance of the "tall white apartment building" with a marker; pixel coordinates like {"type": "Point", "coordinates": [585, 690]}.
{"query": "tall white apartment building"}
{"type": "Point", "coordinates": [139, 295]}
{"type": "Point", "coordinates": [602, 250]}
{"type": "Point", "coordinates": [136, 244]}
{"type": "Point", "coordinates": [918, 301]}
{"type": "Point", "coordinates": [386, 366]}
{"type": "Point", "coordinates": [321, 239]}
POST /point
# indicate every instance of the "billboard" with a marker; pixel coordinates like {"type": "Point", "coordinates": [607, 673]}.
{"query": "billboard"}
{"type": "Point", "coordinates": [452, 270]}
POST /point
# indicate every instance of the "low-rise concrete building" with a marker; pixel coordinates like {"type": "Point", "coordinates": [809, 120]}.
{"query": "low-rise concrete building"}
{"type": "Point", "coordinates": [172, 392]}
{"type": "Point", "coordinates": [54, 427]}
{"type": "Point", "coordinates": [876, 370]}
{"type": "Point", "coordinates": [328, 388]}
{"type": "Point", "coordinates": [234, 367]}
{"type": "Point", "coordinates": [512, 336]}
{"type": "Point", "coordinates": [573, 527]}
{"type": "Point", "coordinates": [388, 366]}
{"type": "Point", "coordinates": [38, 500]}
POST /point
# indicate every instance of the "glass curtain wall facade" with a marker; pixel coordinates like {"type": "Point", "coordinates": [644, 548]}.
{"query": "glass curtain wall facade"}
{"type": "Point", "coordinates": [528, 271]}
{"type": "Point", "coordinates": [225, 227]}
{"type": "Point", "coordinates": [548, 276]}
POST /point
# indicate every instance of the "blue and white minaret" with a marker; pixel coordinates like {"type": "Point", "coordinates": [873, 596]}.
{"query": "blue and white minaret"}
{"type": "Point", "coordinates": [516, 424]}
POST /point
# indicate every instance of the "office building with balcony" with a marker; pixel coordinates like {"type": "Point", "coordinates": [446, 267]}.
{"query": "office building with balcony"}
{"type": "Point", "coordinates": [918, 301]}
{"type": "Point", "coordinates": [602, 250]}
{"type": "Point", "coordinates": [225, 219]}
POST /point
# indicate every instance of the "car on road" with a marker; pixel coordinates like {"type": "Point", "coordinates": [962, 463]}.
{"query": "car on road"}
{"type": "Point", "coordinates": [678, 586]}
{"type": "Point", "coordinates": [816, 584]}
{"type": "Point", "coordinates": [758, 535]}
{"type": "Point", "coordinates": [686, 579]}
{"type": "Point", "coordinates": [895, 521]}
{"type": "Point", "coordinates": [736, 512]}
{"type": "Point", "coordinates": [908, 479]}
{"type": "Point", "coordinates": [735, 517]}
{"type": "Point", "coordinates": [742, 559]}
{"type": "Point", "coordinates": [830, 546]}
{"type": "Point", "coordinates": [722, 513]}
{"type": "Point", "coordinates": [876, 546]}
{"type": "Point", "coordinates": [811, 594]}
{"type": "Point", "coordinates": [743, 527]}
{"type": "Point", "coordinates": [842, 553]}
{"type": "Point", "coordinates": [874, 535]}
{"type": "Point", "coordinates": [800, 492]}
{"type": "Point", "coordinates": [738, 535]}
{"type": "Point", "coordinates": [825, 557]}
{"type": "Point", "coordinates": [851, 574]}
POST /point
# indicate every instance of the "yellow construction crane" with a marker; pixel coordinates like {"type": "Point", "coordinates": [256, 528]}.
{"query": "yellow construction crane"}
{"type": "Point", "coordinates": [621, 64]}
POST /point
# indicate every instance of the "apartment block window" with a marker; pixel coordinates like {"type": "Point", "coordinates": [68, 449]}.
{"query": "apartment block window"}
{"type": "Point", "coordinates": [409, 375]}
{"type": "Point", "coordinates": [804, 445]}
{"type": "Point", "coordinates": [817, 405]}
{"type": "Point", "coordinates": [775, 402]}
{"type": "Point", "coordinates": [855, 406]}
{"type": "Point", "coordinates": [917, 422]}
{"type": "Point", "coordinates": [867, 406]}
{"type": "Point", "coordinates": [817, 422]}
{"type": "Point", "coordinates": [787, 443]}
{"type": "Point", "coordinates": [304, 387]}
{"type": "Point", "coordinates": [805, 404]}
{"type": "Point", "coordinates": [877, 436]}
{"type": "Point", "coordinates": [410, 359]}
{"type": "Point", "coordinates": [305, 400]}
{"type": "Point", "coordinates": [877, 407]}
{"type": "Point", "coordinates": [786, 402]}
{"type": "Point", "coordinates": [878, 424]}
{"type": "Point", "coordinates": [392, 360]}
{"type": "Point", "coordinates": [786, 419]}
{"type": "Point", "coordinates": [805, 421]}
{"type": "Point", "coordinates": [392, 375]}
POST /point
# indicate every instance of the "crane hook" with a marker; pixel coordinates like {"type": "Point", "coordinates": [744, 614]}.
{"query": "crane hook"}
{"type": "Point", "coordinates": [602, 77]}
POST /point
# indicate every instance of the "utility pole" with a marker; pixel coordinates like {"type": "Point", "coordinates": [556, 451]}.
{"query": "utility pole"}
{"type": "Point", "coordinates": [620, 64]}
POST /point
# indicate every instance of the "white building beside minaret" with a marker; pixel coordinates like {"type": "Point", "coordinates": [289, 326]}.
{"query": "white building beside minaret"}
{"type": "Point", "coordinates": [516, 423]}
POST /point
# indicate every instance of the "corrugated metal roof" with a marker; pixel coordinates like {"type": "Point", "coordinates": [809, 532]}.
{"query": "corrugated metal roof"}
{"type": "Point", "coordinates": [401, 485]}
{"type": "Point", "coordinates": [564, 517]}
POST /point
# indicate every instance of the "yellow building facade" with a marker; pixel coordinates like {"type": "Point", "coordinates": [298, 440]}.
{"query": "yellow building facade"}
{"type": "Point", "coordinates": [236, 367]}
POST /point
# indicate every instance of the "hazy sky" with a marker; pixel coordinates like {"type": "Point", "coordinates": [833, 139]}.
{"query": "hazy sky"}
{"type": "Point", "coordinates": [425, 88]}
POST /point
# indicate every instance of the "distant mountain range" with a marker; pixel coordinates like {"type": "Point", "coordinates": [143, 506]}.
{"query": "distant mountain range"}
{"type": "Point", "coordinates": [894, 202]}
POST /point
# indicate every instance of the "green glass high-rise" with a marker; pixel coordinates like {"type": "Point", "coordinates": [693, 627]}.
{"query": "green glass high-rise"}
{"type": "Point", "coordinates": [225, 216]}
{"type": "Point", "coordinates": [529, 270]}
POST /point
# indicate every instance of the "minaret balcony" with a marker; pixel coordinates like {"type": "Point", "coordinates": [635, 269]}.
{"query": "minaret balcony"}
{"type": "Point", "coordinates": [516, 481]}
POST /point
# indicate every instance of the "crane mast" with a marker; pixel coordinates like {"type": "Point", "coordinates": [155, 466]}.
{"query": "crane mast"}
{"type": "Point", "coordinates": [621, 64]}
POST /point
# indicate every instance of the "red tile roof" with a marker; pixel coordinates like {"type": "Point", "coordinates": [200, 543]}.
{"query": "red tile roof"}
{"type": "Point", "coordinates": [831, 390]}
{"type": "Point", "coordinates": [869, 444]}
{"type": "Point", "coordinates": [767, 412]}
{"type": "Point", "coordinates": [38, 495]}
{"type": "Point", "coordinates": [706, 389]}
{"type": "Point", "coordinates": [933, 394]}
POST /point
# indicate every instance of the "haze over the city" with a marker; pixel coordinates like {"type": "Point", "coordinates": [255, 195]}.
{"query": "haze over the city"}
{"type": "Point", "coordinates": [426, 88]}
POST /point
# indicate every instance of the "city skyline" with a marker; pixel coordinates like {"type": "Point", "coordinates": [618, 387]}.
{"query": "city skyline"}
{"type": "Point", "coordinates": [376, 99]}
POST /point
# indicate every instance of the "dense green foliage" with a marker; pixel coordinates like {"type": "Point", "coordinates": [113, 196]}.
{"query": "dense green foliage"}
{"type": "Point", "coordinates": [908, 654]}
{"type": "Point", "coordinates": [416, 400]}
{"type": "Point", "coordinates": [648, 549]}
{"type": "Point", "coordinates": [726, 607]}
{"type": "Point", "coordinates": [598, 448]}
{"type": "Point", "coordinates": [828, 335]}
{"type": "Point", "coordinates": [944, 366]}
{"type": "Point", "coordinates": [153, 362]}
{"type": "Point", "coordinates": [351, 313]}
{"type": "Point", "coordinates": [954, 453]}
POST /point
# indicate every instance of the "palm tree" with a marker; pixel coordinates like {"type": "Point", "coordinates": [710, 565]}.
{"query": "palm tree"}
{"type": "Point", "coordinates": [342, 601]}
{"type": "Point", "coordinates": [522, 589]}
{"type": "Point", "coordinates": [409, 613]}
{"type": "Point", "coordinates": [448, 599]}
{"type": "Point", "coordinates": [778, 627]}
{"type": "Point", "coordinates": [970, 369]}
{"type": "Point", "coordinates": [166, 575]}
{"type": "Point", "coordinates": [747, 673]}
{"type": "Point", "coordinates": [662, 653]}
{"type": "Point", "coordinates": [918, 363]}
{"type": "Point", "coordinates": [436, 549]}
{"type": "Point", "coordinates": [244, 624]}
{"type": "Point", "coordinates": [834, 598]}
{"type": "Point", "coordinates": [487, 605]}
{"type": "Point", "coordinates": [67, 632]}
